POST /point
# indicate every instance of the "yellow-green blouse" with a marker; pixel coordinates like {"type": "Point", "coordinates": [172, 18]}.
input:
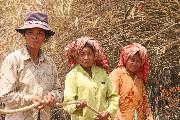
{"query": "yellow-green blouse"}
{"type": "Point", "coordinates": [97, 90]}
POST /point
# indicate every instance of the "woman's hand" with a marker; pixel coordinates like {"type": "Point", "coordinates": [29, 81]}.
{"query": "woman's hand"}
{"type": "Point", "coordinates": [149, 118]}
{"type": "Point", "coordinates": [103, 116]}
{"type": "Point", "coordinates": [50, 100]}
{"type": "Point", "coordinates": [81, 105]}
{"type": "Point", "coordinates": [118, 115]}
{"type": "Point", "coordinates": [36, 99]}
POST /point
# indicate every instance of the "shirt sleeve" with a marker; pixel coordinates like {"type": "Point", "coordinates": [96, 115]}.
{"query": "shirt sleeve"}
{"type": "Point", "coordinates": [112, 97]}
{"type": "Point", "coordinates": [70, 93]}
{"type": "Point", "coordinates": [56, 92]}
{"type": "Point", "coordinates": [146, 105]}
{"type": "Point", "coordinates": [114, 77]}
{"type": "Point", "coordinates": [10, 88]}
{"type": "Point", "coordinates": [116, 82]}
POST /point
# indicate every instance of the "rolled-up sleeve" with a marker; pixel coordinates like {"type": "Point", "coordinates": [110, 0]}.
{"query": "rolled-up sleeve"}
{"type": "Point", "coordinates": [70, 92]}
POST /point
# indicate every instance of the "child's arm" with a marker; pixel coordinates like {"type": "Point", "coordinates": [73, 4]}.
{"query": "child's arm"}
{"type": "Point", "coordinates": [146, 105]}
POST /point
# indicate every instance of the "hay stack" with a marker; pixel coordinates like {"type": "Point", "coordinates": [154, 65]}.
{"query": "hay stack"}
{"type": "Point", "coordinates": [115, 23]}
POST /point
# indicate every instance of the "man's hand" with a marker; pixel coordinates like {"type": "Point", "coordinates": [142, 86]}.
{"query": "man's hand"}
{"type": "Point", "coordinates": [36, 99]}
{"type": "Point", "coordinates": [50, 100]}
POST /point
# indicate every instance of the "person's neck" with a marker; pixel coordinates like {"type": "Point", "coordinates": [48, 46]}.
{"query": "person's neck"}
{"type": "Point", "coordinates": [132, 74]}
{"type": "Point", "coordinates": [88, 70]}
{"type": "Point", "coordinates": [34, 54]}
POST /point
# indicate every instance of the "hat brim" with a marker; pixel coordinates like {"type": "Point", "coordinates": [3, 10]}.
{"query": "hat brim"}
{"type": "Point", "coordinates": [49, 32]}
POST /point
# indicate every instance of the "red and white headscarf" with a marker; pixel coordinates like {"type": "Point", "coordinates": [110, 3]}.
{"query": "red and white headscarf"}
{"type": "Point", "coordinates": [73, 49]}
{"type": "Point", "coordinates": [130, 50]}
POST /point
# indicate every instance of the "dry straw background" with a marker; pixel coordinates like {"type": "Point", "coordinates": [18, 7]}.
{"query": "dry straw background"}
{"type": "Point", "coordinates": [115, 23]}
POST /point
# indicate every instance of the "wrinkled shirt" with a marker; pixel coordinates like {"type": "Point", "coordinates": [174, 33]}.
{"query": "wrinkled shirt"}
{"type": "Point", "coordinates": [97, 90]}
{"type": "Point", "coordinates": [21, 79]}
{"type": "Point", "coordinates": [134, 101]}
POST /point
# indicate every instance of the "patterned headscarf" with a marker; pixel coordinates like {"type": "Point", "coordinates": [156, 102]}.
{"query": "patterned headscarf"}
{"type": "Point", "coordinates": [130, 50]}
{"type": "Point", "coordinates": [73, 49]}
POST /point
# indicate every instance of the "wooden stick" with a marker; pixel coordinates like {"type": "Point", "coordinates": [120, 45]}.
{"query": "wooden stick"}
{"type": "Point", "coordinates": [91, 108]}
{"type": "Point", "coordinates": [36, 104]}
{"type": "Point", "coordinates": [76, 102]}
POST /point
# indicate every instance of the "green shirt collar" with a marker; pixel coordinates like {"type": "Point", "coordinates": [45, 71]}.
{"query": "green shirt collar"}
{"type": "Point", "coordinates": [80, 69]}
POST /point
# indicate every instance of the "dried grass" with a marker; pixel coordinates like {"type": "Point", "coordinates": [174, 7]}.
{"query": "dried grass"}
{"type": "Point", "coordinates": [115, 23]}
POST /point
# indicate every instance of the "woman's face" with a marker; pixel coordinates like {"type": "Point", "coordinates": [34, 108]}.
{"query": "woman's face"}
{"type": "Point", "coordinates": [35, 37]}
{"type": "Point", "coordinates": [133, 63]}
{"type": "Point", "coordinates": [86, 57]}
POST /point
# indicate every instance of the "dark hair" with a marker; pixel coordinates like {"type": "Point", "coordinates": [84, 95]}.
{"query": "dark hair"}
{"type": "Point", "coordinates": [137, 53]}
{"type": "Point", "coordinates": [87, 44]}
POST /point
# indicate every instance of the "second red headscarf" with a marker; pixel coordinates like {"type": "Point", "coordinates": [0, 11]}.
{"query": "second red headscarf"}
{"type": "Point", "coordinates": [130, 50]}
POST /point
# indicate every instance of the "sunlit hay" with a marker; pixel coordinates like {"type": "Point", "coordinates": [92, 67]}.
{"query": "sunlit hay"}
{"type": "Point", "coordinates": [115, 23]}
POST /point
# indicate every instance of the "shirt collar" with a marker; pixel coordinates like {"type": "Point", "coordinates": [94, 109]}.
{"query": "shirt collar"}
{"type": "Point", "coordinates": [26, 55]}
{"type": "Point", "coordinates": [85, 73]}
{"type": "Point", "coordinates": [126, 72]}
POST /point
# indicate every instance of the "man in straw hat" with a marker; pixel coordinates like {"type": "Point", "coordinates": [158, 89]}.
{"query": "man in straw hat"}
{"type": "Point", "coordinates": [28, 75]}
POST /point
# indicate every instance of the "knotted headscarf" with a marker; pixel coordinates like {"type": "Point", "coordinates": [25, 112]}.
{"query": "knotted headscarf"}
{"type": "Point", "coordinates": [73, 49]}
{"type": "Point", "coordinates": [130, 50]}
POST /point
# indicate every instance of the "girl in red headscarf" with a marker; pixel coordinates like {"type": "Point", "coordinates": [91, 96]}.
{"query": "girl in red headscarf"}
{"type": "Point", "coordinates": [129, 79]}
